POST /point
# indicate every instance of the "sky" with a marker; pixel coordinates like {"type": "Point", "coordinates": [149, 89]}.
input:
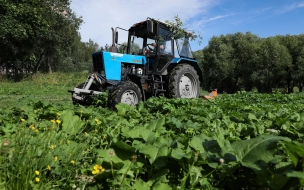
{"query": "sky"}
{"type": "Point", "coordinates": [264, 18]}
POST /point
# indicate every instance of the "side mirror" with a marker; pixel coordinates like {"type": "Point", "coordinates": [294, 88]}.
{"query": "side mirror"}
{"type": "Point", "coordinates": [150, 26]}
{"type": "Point", "coordinates": [116, 37]}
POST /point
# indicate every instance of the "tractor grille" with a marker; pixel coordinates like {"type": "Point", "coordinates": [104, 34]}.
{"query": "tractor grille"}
{"type": "Point", "coordinates": [98, 62]}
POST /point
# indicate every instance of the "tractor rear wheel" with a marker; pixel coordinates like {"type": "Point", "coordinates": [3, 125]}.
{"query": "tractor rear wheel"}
{"type": "Point", "coordinates": [183, 82]}
{"type": "Point", "coordinates": [86, 101]}
{"type": "Point", "coordinates": [125, 92]}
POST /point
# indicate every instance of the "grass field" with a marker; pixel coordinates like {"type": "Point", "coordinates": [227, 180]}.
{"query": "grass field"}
{"type": "Point", "coordinates": [239, 141]}
{"type": "Point", "coordinates": [48, 87]}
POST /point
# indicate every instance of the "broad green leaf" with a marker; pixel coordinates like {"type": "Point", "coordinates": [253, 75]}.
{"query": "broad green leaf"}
{"type": "Point", "coordinates": [156, 155]}
{"type": "Point", "coordinates": [140, 185]}
{"type": "Point", "coordinates": [197, 143]}
{"type": "Point", "coordinates": [179, 153]}
{"type": "Point", "coordinates": [157, 125]}
{"type": "Point", "coordinates": [295, 150]}
{"type": "Point", "coordinates": [255, 153]}
{"type": "Point", "coordinates": [161, 186]}
{"type": "Point", "coordinates": [295, 174]}
{"type": "Point", "coordinates": [71, 124]}
{"type": "Point", "coordinates": [124, 146]}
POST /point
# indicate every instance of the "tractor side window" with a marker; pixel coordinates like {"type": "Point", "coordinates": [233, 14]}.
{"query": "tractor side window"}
{"type": "Point", "coordinates": [164, 42]}
{"type": "Point", "coordinates": [136, 45]}
{"type": "Point", "coordinates": [183, 47]}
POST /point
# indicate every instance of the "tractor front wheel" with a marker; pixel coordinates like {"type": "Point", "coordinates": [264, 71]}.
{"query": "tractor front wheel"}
{"type": "Point", "coordinates": [125, 92]}
{"type": "Point", "coordinates": [183, 82]}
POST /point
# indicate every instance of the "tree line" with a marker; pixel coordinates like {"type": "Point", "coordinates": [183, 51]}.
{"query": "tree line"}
{"type": "Point", "coordinates": [245, 61]}
{"type": "Point", "coordinates": [42, 36]}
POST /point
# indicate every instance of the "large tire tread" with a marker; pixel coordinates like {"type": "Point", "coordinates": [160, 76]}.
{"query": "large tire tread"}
{"type": "Point", "coordinates": [114, 96]}
{"type": "Point", "coordinates": [174, 79]}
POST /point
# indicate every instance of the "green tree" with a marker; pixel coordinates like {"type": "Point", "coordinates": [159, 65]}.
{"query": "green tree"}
{"type": "Point", "coordinates": [36, 35]}
{"type": "Point", "coordinates": [271, 67]}
{"type": "Point", "coordinates": [294, 44]}
{"type": "Point", "coordinates": [217, 61]}
{"type": "Point", "coordinates": [228, 61]}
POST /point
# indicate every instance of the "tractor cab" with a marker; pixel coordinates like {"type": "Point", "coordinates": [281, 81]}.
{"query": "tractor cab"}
{"type": "Point", "coordinates": [153, 39]}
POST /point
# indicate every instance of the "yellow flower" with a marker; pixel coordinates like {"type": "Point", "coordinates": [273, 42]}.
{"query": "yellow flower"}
{"type": "Point", "coordinates": [23, 120]}
{"type": "Point", "coordinates": [53, 146]}
{"type": "Point", "coordinates": [85, 133]}
{"type": "Point", "coordinates": [73, 161]}
{"type": "Point", "coordinates": [53, 121]}
{"type": "Point", "coordinates": [56, 158]}
{"type": "Point", "coordinates": [97, 167]}
{"type": "Point", "coordinates": [69, 141]}
{"type": "Point", "coordinates": [49, 167]}
{"type": "Point", "coordinates": [97, 121]}
{"type": "Point", "coordinates": [37, 179]}
{"type": "Point", "coordinates": [37, 172]}
{"type": "Point", "coordinates": [36, 130]}
{"type": "Point", "coordinates": [32, 127]}
{"type": "Point", "coordinates": [58, 114]}
{"type": "Point", "coordinates": [58, 121]}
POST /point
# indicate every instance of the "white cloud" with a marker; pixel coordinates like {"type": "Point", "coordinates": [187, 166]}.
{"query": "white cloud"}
{"type": "Point", "coordinates": [291, 7]}
{"type": "Point", "coordinates": [99, 16]}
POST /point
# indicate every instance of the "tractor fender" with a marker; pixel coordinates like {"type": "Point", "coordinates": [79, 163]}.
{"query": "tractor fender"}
{"type": "Point", "coordinates": [191, 62]}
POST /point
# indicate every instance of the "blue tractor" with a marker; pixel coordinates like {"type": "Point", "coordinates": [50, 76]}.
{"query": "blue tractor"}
{"type": "Point", "coordinates": [152, 63]}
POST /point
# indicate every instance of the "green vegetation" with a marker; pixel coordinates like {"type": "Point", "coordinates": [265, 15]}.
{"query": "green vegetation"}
{"type": "Point", "coordinates": [245, 61]}
{"type": "Point", "coordinates": [245, 140]}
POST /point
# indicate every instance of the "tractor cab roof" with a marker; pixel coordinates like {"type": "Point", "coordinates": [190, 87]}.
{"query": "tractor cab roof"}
{"type": "Point", "coordinates": [148, 28]}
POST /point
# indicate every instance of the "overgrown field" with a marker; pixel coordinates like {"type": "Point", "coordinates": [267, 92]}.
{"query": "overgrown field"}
{"type": "Point", "coordinates": [240, 141]}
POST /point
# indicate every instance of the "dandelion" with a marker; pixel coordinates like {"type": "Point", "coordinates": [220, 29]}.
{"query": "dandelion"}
{"type": "Point", "coordinates": [58, 114]}
{"type": "Point", "coordinates": [221, 160]}
{"type": "Point", "coordinates": [105, 137]}
{"type": "Point", "coordinates": [56, 158]}
{"type": "Point", "coordinates": [58, 121]}
{"type": "Point", "coordinates": [37, 179]}
{"type": "Point", "coordinates": [23, 120]}
{"type": "Point", "coordinates": [69, 141]}
{"type": "Point", "coordinates": [53, 121]}
{"type": "Point", "coordinates": [97, 121]}
{"type": "Point", "coordinates": [85, 133]}
{"type": "Point", "coordinates": [73, 161]}
{"type": "Point", "coordinates": [112, 153]}
{"type": "Point", "coordinates": [37, 172]}
{"type": "Point", "coordinates": [36, 130]}
{"type": "Point", "coordinates": [53, 146]}
{"type": "Point", "coordinates": [97, 168]}
{"type": "Point", "coordinates": [32, 127]}
{"type": "Point", "coordinates": [49, 167]}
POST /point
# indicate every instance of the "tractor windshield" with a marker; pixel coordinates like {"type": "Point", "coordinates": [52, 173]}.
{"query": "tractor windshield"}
{"type": "Point", "coordinates": [183, 47]}
{"type": "Point", "coordinates": [136, 45]}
